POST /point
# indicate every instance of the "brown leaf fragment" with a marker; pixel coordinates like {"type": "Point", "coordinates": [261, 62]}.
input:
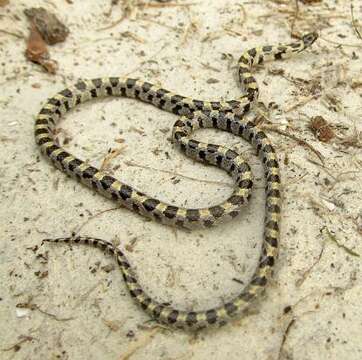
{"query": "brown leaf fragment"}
{"type": "Point", "coordinates": [4, 2]}
{"type": "Point", "coordinates": [41, 274]}
{"type": "Point", "coordinates": [212, 81]}
{"type": "Point", "coordinates": [321, 129]}
{"type": "Point", "coordinates": [356, 84]}
{"type": "Point", "coordinates": [113, 325]}
{"type": "Point", "coordinates": [51, 29]}
{"type": "Point", "coordinates": [112, 154]}
{"type": "Point", "coordinates": [36, 51]}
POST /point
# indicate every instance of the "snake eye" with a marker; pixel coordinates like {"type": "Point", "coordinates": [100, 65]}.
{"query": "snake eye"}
{"type": "Point", "coordinates": [309, 38]}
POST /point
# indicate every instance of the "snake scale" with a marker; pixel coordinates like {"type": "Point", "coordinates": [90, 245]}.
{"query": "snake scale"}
{"type": "Point", "coordinates": [194, 114]}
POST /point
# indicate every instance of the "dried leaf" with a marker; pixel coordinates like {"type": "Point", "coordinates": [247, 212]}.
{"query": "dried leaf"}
{"type": "Point", "coordinates": [37, 51]}
{"type": "Point", "coordinates": [321, 129]}
{"type": "Point", "coordinates": [48, 25]}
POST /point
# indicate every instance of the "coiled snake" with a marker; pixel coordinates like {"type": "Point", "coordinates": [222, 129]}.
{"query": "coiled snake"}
{"type": "Point", "coordinates": [194, 114]}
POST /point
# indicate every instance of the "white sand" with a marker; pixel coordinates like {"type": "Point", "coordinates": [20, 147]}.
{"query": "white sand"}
{"type": "Point", "coordinates": [79, 311]}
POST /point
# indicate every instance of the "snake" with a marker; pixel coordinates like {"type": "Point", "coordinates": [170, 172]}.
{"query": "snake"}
{"type": "Point", "coordinates": [193, 115]}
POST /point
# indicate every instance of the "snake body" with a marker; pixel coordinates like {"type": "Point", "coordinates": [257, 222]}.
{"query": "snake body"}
{"type": "Point", "coordinates": [194, 114]}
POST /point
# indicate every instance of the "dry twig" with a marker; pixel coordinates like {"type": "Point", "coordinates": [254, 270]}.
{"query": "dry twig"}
{"type": "Point", "coordinates": [355, 24]}
{"type": "Point", "coordinates": [300, 141]}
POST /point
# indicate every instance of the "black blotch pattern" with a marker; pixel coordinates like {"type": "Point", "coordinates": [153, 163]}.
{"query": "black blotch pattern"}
{"type": "Point", "coordinates": [247, 296]}
{"type": "Point", "coordinates": [272, 163]}
{"type": "Point", "coordinates": [267, 261]}
{"type": "Point", "coordinates": [230, 308]}
{"type": "Point", "coordinates": [191, 318]}
{"type": "Point", "coordinates": [193, 214]}
{"type": "Point", "coordinates": [272, 241]}
{"type": "Point", "coordinates": [62, 156]}
{"type": "Point", "coordinates": [125, 192]}
{"type": "Point", "coordinates": [249, 80]}
{"type": "Point", "coordinates": [211, 316]}
{"type": "Point", "coordinates": [114, 81]}
{"type": "Point", "coordinates": [146, 87]}
{"type": "Point", "coordinates": [97, 83]}
{"type": "Point", "coordinates": [202, 154]}
{"type": "Point", "coordinates": [244, 60]}
{"type": "Point", "coordinates": [259, 280]}
{"type": "Point", "coordinates": [130, 83]}
{"type": "Point", "coordinates": [198, 104]}
{"type": "Point", "coordinates": [45, 111]}
{"type": "Point", "coordinates": [54, 101]}
{"type": "Point", "coordinates": [236, 200]}
{"type": "Point", "coordinates": [170, 211]}
{"type": "Point", "coordinates": [274, 208]}
{"type": "Point", "coordinates": [271, 224]}
{"type": "Point", "coordinates": [107, 182]}
{"type": "Point", "coordinates": [41, 131]}
{"type": "Point", "coordinates": [176, 99]}
{"type": "Point", "coordinates": [179, 134]}
{"type": "Point", "coordinates": [41, 122]}
{"type": "Point", "coordinates": [136, 292]}
{"type": "Point", "coordinates": [273, 193]}
{"type": "Point", "coordinates": [245, 184]}
{"type": "Point", "coordinates": [193, 144]}
{"type": "Point", "coordinates": [66, 105]}
{"type": "Point", "coordinates": [243, 70]}
{"type": "Point", "coordinates": [161, 92]}
{"type": "Point", "coordinates": [216, 211]}
{"type": "Point", "coordinates": [252, 52]}
{"type": "Point", "coordinates": [50, 149]}
{"type": "Point", "coordinates": [89, 172]}
{"type": "Point", "coordinates": [268, 149]}
{"type": "Point", "coordinates": [177, 109]}
{"type": "Point", "coordinates": [273, 178]}
{"type": "Point", "coordinates": [157, 311]}
{"type": "Point", "coordinates": [80, 85]}
{"type": "Point", "coordinates": [66, 93]}
{"type": "Point", "coordinates": [74, 163]}
{"type": "Point", "coordinates": [150, 204]}
{"type": "Point", "coordinates": [172, 317]}
{"type": "Point", "coordinates": [145, 303]}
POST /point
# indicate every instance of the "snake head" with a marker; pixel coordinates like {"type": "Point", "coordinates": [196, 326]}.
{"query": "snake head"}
{"type": "Point", "coordinates": [309, 39]}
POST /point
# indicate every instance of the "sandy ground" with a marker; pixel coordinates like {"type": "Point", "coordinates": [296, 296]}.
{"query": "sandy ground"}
{"type": "Point", "coordinates": [59, 302]}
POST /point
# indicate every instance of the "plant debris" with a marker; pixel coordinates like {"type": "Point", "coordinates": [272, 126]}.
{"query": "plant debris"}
{"type": "Point", "coordinates": [331, 237]}
{"type": "Point", "coordinates": [37, 51]}
{"type": "Point", "coordinates": [32, 306]}
{"type": "Point", "coordinates": [16, 347]}
{"type": "Point", "coordinates": [306, 273]}
{"type": "Point", "coordinates": [321, 129]}
{"type": "Point", "coordinates": [112, 325]}
{"type": "Point", "coordinates": [51, 29]}
{"type": "Point", "coordinates": [112, 153]}
{"type": "Point", "coordinates": [355, 24]}
{"type": "Point", "coordinates": [298, 140]}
